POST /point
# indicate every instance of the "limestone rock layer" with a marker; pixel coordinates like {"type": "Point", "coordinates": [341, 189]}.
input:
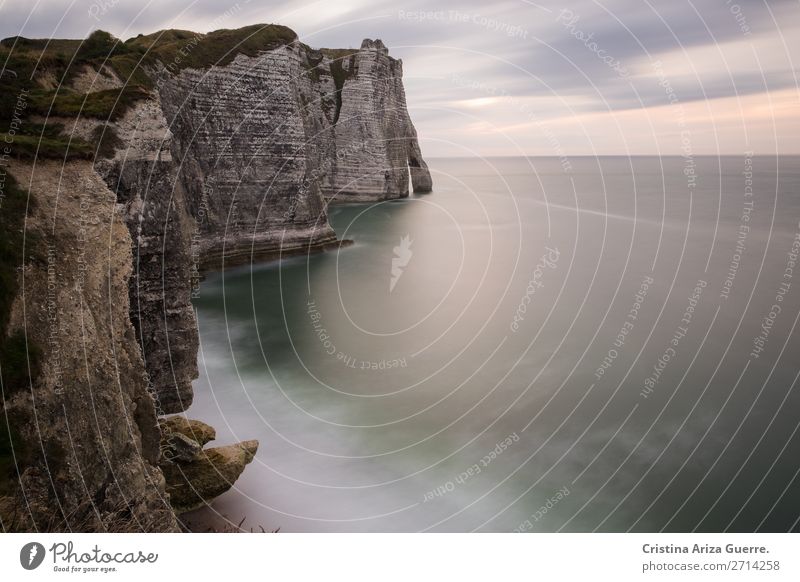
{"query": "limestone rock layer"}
{"type": "Point", "coordinates": [264, 142]}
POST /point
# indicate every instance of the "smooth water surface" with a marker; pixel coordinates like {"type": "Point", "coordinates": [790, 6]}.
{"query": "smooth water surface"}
{"type": "Point", "coordinates": [552, 349]}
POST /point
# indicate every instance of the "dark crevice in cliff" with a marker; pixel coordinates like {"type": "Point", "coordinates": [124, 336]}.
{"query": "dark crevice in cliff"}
{"type": "Point", "coordinates": [340, 74]}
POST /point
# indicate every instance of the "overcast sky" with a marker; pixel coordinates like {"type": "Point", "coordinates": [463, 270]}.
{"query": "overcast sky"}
{"type": "Point", "coordinates": [516, 77]}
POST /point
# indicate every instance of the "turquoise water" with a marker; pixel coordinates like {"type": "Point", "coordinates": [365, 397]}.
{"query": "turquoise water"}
{"type": "Point", "coordinates": [550, 350]}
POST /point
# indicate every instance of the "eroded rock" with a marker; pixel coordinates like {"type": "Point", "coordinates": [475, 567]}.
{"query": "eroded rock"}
{"type": "Point", "coordinates": [178, 448]}
{"type": "Point", "coordinates": [88, 443]}
{"type": "Point", "coordinates": [196, 430]}
{"type": "Point", "coordinates": [213, 472]}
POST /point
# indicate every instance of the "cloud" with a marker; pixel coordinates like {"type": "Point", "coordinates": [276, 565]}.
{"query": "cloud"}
{"type": "Point", "coordinates": [565, 60]}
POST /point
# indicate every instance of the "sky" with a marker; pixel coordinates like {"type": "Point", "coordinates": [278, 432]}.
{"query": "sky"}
{"type": "Point", "coordinates": [515, 77]}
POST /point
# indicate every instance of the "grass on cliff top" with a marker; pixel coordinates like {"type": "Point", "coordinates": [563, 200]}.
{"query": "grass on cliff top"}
{"type": "Point", "coordinates": [175, 49]}
{"type": "Point", "coordinates": [181, 49]}
{"type": "Point", "coordinates": [32, 140]}
{"type": "Point", "coordinates": [63, 58]}
{"type": "Point", "coordinates": [109, 104]}
{"type": "Point", "coordinates": [25, 60]}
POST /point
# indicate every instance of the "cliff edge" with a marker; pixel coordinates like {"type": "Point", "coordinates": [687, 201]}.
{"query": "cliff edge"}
{"type": "Point", "coordinates": [127, 170]}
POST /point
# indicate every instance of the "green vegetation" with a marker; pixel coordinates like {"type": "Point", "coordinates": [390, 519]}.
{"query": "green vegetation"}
{"type": "Point", "coordinates": [19, 357]}
{"type": "Point", "coordinates": [181, 49]}
{"type": "Point", "coordinates": [26, 60]}
{"type": "Point", "coordinates": [109, 104]}
{"type": "Point", "coordinates": [29, 147]}
{"type": "Point", "coordinates": [50, 46]}
{"type": "Point", "coordinates": [128, 67]}
{"type": "Point", "coordinates": [23, 96]}
{"type": "Point", "coordinates": [13, 208]}
{"type": "Point", "coordinates": [34, 140]}
{"type": "Point", "coordinates": [62, 58]}
{"type": "Point", "coordinates": [13, 350]}
{"type": "Point", "coordinates": [99, 45]}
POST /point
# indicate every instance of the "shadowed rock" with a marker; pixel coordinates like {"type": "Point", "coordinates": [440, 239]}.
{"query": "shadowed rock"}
{"type": "Point", "coordinates": [196, 430]}
{"type": "Point", "coordinates": [180, 448]}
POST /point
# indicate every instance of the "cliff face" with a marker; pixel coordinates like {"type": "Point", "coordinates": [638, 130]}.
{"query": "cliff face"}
{"type": "Point", "coordinates": [265, 141]}
{"type": "Point", "coordinates": [87, 441]}
{"type": "Point", "coordinates": [249, 146]}
{"type": "Point", "coordinates": [233, 164]}
{"type": "Point", "coordinates": [192, 168]}
{"type": "Point", "coordinates": [154, 205]}
{"type": "Point", "coordinates": [375, 141]}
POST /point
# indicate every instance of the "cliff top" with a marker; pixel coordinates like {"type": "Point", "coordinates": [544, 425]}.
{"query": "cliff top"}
{"type": "Point", "coordinates": [177, 49]}
{"type": "Point", "coordinates": [39, 76]}
{"type": "Point", "coordinates": [42, 76]}
{"type": "Point", "coordinates": [180, 49]}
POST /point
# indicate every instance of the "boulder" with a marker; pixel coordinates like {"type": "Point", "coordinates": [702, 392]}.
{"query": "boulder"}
{"type": "Point", "coordinates": [213, 472]}
{"type": "Point", "coordinates": [198, 431]}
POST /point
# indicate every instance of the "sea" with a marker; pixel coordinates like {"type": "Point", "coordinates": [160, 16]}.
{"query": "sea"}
{"type": "Point", "coordinates": [538, 345]}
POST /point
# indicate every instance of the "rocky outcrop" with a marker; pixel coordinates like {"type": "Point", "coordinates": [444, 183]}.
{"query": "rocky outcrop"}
{"type": "Point", "coordinates": [375, 141]}
{"type": "Point", "coordinates": [165, 267]}
{"type": "Point", "coordinates": [138, 166]}
{"type": "Point", "coordinates": [196, 430]}
{"type": "Point", "coordinates": [195, 476]}
{"type": "Point", "coordinates": [192, 485]}
{"type": "Point", "coordinates": [88, 442]}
